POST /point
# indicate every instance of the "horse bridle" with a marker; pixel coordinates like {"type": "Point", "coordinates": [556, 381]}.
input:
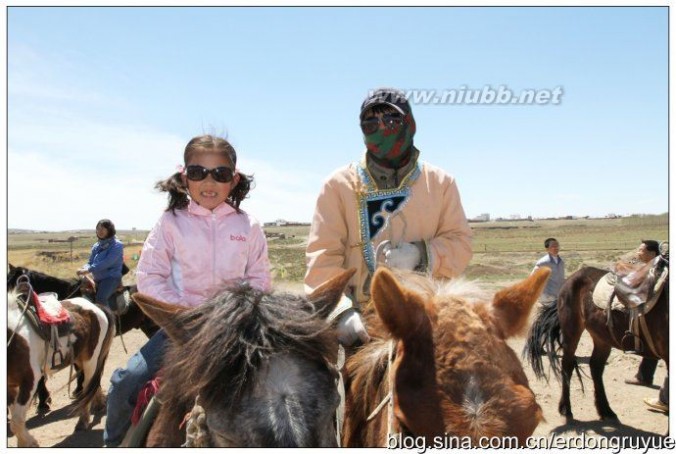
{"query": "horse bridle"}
{"type": "Point", "coordinates": [196, 430]}
{"type": "Point", "coordinates": [19, 281]}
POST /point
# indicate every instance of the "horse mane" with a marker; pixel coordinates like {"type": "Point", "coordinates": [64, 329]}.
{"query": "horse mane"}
{"type": "Point", "coordinates": [367, 368]}
{"type": "Point", "coordinates": [234, 334]}
{"type": "Point", "coordinates": [458, 287]}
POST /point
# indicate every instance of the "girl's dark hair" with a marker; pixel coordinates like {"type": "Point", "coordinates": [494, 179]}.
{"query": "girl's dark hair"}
{"type": "Point", "coordinates": [109, 226]}
{"type": "Point", "coordinates": [178, 192]}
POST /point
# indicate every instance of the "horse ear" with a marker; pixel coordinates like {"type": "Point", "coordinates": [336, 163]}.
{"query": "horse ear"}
{"type": "Point", "coordinates": [401, 310]}
{"type": "Point", "coordinates": [325, 297]}
{"type": "Point", "coordinates": [164, 314]}
{"type": "Point", "coordinates": [512, 306]}
{"type": "Point", "coordinates": [407, 315]}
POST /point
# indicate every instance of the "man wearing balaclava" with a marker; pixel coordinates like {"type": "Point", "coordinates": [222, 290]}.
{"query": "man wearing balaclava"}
{"type": "Point", "coordinates": [390, 207]}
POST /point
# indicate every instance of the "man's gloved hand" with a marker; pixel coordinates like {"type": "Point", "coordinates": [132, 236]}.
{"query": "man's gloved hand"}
{"type": "Point", "coordinates": [406, 256]}
{"type": "Point", "coordinates": [350, 328]}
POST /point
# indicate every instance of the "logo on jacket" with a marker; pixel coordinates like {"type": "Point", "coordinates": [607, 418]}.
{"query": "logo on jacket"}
{"type": "Point", "coordinates": [379, 212]}
{"type": "Point", "coordinates": [237, 237]}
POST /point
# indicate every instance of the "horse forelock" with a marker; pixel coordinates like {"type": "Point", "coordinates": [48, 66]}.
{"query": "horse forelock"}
{"type": "Point", "coordinates": [238, 331]}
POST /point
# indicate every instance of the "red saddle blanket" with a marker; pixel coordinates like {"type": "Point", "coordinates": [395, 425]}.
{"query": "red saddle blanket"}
{"type": "Point", "coordinates": [49, 309]}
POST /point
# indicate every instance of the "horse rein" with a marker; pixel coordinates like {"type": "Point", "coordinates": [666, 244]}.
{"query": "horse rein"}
{"type": "Point", "coordinates": [77, 289]}
{"type": "Point", "coordinates": [389, 397]}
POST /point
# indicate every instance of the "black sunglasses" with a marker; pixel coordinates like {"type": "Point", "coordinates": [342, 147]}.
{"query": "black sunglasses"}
{"type": "Point", "coordinates": [199, 173]}
{"type": "Point", "coordinates": [390, 121]}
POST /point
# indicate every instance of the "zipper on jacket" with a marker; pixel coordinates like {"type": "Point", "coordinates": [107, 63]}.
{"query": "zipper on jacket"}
{"type": "Point", "coordinates": [213, 249]}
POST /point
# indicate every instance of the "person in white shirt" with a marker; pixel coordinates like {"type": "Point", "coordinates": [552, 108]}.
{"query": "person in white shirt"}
{"type": "Point", "coordinates": [557, 277]}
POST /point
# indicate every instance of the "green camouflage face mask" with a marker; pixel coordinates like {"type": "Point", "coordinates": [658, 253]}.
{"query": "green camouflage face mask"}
{"type": "Point", "coordinates": [392, 147]}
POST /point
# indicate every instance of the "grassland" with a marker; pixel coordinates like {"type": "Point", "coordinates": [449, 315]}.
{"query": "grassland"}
{"type": "Point", "coordinates": [503, 251]}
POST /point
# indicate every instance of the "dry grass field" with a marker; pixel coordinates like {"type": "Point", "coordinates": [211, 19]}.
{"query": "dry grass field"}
{"type": "Point", "coordinates": [503, 251]}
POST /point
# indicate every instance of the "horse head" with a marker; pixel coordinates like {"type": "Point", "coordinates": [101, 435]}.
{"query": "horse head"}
{"type": "Point", "coordinates": [451, 371]}
{"type": "Point", "coordinates": [259, 365]}
{"type": "Point", "coordinates": [13, 273]}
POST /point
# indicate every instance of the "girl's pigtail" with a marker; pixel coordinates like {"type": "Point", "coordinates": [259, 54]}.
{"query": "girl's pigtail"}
{"type": "Point", "coordinates": [178, 193]}
{"type": "Point", "coordinates": [240, 191]}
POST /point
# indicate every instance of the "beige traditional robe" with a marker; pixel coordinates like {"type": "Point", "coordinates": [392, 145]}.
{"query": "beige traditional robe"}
{"type": "Point", "coordinates": [352, 217]}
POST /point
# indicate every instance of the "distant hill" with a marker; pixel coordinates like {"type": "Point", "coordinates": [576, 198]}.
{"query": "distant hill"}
{"type": "Point", "coordinates": [22, 231]}
{"type": "Point", "coordinates": [90, 232]}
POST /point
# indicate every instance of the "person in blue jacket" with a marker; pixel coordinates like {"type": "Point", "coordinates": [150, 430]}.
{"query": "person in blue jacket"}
{"type": "Point", "coordinates": [105, 262]}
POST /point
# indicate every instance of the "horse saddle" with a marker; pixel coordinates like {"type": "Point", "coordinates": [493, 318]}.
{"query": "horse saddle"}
{"type": "Point", "coordinates": [604, 293]}
{"type": "Point", "coordinates": [46, 312]}
{"type": "Point", "coordinates": [645, 296]}
{"type": "Point", "coordinates": [51, 321]}
{"type": "Point", "coordinates": [611, 291]}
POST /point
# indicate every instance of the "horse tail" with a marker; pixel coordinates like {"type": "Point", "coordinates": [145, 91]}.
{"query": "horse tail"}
{"type": "Point", "coordinates": [544, 338]}
{"type": "Point", "coordinates": [90, 392]}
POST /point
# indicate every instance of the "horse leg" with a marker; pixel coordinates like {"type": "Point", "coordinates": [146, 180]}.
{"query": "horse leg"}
{"type": "Point", "coordinates": [597, 364]}
{"type": "Point", "coordinates": [80, 380]}
{"type": "Point", "coordinates": [570, 334]}
{"type": "Point", "coordinates": [44, 399]}
{"type": "Point", "coordinates": [567, 367]}
{"type": "Point", "coordinates": [18, 426]}
{"type": "Point", "coordinates": [87, 371]}
{"type": "Point", "coordinates": [19, 400]}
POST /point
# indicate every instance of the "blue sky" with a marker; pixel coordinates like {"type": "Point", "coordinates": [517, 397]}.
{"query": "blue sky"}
{"type": "Point", "coordinates": [101, 102]}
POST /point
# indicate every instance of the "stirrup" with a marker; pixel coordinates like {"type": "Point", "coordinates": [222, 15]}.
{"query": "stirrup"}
{"type": "Point", "coordinates": [631, 338]}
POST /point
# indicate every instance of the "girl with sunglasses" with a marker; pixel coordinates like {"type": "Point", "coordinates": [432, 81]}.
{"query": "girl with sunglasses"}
{"type": "Point", "coordinates": [201, 244]}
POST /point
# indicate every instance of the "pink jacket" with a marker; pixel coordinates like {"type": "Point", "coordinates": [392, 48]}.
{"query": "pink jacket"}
{"type": "Point", "coordinates": [191, 255]}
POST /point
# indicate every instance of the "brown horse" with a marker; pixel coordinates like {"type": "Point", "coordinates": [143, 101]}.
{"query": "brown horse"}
{"type": "Point", "coordinates": [450, 372]}
{"type": "Point", "coordinates": [560, 325]}
{"type": "Point", "coordinates": [29, 357]}
{"type": "Point", "coordinates": [258, 367]}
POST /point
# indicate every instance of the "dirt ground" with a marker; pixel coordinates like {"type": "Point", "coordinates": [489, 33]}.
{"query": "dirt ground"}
{"type": "Point", "coordinates": [56, 429]}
